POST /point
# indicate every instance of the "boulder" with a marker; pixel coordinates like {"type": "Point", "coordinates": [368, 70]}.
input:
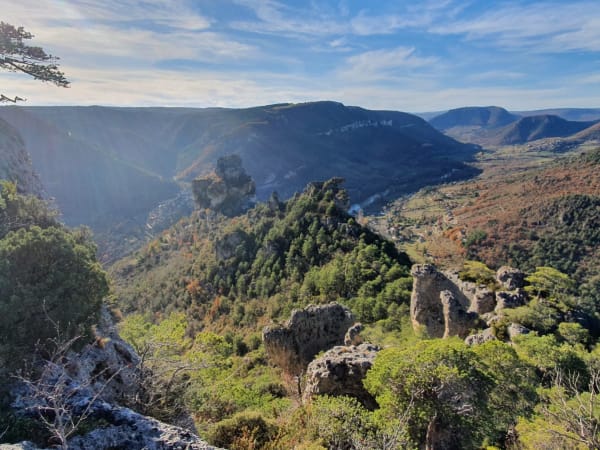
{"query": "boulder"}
{"type": "Point", "coordinates": [483, 301]}
{"type": "Point", "coordinates": [340, 371]}
{"type": "Point", "coordinates": [308, 332]}
{"type": "Point", "coordinates": [480, 338]}
{"type": "Point", "coordinates": [510, 278]}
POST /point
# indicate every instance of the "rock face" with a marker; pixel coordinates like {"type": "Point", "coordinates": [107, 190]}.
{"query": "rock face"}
{"type": "Point", "coordinates": [96, 382]}
{"type": "Point", "coordinates": [505, 299]}
{"type": "Point", "coordinates": [15, 164]}
{"type": "Point", "coordinates": [308, 332]}
{"type": "Point", "coordinates": [433, 312]}
{"type": "Point", "coordinates": [228, 190]}
{"type": "Point", "coordinates": [109, 366]}
{"type": "Point", "coordinates": [340, 371]}
{"type": "Point", "coordinates": [457, 321]}
{"type": "Point", "coordinates": [510, 278]}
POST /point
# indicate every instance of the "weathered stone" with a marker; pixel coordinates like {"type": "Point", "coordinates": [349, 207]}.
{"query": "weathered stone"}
{"type": "Point", "coordinates": [226, 246]}
{"type": "Point", "coordinates": [426, 309]}
{"type": "Point", "coordinates": [109, 365]}
{"type": "Point", "coordinates": [308, 332]}
{"type": "Point", "coordinates": [340, 371]}
{"type": "Point", "coordinates": [352, 336]}
{"type": "Point", "coordinates": [510, 278]}
{"type": "Point", "coordinates": [515, 329]}
{"type": "Point", "coordinates": [228, 190]}
{"type": "Point", "coordinates": [457, 321]}
{"type": "Point", "coordinates": [506, 299]}
{"type": "Point", "coordinates": [483, 301]}
{"type": "Point", "coordinates": [480, 338]}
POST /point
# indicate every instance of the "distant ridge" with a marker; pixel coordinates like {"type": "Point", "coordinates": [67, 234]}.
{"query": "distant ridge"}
{"type": "Point", "coordinates": [474, 116]}
{"type": "Point", "coordinates": [532, 128]}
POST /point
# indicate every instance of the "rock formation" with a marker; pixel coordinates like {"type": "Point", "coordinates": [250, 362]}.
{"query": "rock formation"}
{"type": "Point", "coordinates": [228, 190]}
{"type": "Point", "coordinates": [340, 371]}
{"type": "Point", "coordinates": [426, 307]}
{"type": "Point", "coordinates": [457, 321]}
{"type": "Point", "coordinates": [510, 278]}
{"type": "Point", "coordinates": [443, 305]}
{"type": "Point", "coordinates": [308, 332]}
{"type": "Point", "coordinates": [481, 337]}
{"type": "Point", "coordinates": [96, 382]}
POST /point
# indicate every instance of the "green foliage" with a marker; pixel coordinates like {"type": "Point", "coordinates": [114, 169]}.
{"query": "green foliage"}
{"type": "Point", "coordinates": [474, 237]}
{"type": "Point", "coordinates": [477, 272]}
{"type": "Point", "coordinates": [438, 383]}
{"type": "Point", "coordinates": [50, 283]}
{"type": "Point", "coordinates": [246, 270]}
{"type": "Point", "coordinates": [243, 431]}
{"type": "Point", "coordinates": [547, 282]}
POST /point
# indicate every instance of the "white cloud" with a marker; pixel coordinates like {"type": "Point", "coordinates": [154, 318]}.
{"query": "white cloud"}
{"type": "Point", "coordinates": [384, 64]}
{"type": "Point", "coordinates": [545, 27]}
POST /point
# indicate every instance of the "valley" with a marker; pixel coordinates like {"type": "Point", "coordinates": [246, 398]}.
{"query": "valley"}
{"type": "Point", "coordinates": [286, 321]}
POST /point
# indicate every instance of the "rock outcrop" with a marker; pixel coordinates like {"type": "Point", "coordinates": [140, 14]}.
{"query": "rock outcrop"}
{"type": "Point", "coordinates": [97, 382]}
{"type": "Point", "coordinates": [443, 305]}
{"type": "Point", "coordinates": [340, 371]}
{"type": "Point", "coordinates": [228, 190]}
{"type": "Point", "coordinates": [510, 278]}
{"type": "Point", "coordinates": [480, 338]}
{"type": "Point", "coordinates": [457, 321]}
{"type": "Point", "coordinates": [426, 306]}
{"type": "Point", "coordinates": [308, 332]}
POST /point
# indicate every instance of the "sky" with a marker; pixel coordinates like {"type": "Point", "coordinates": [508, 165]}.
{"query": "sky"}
{"type": "Point", "coordinates": [415, 56]}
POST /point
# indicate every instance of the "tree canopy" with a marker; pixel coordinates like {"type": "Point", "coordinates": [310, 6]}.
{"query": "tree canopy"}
{"type": "Point", "coordinates": [17, 56]}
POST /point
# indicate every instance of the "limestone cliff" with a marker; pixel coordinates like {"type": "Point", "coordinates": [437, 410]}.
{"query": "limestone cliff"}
{"type": "Point", "coordinates": [228, 190]}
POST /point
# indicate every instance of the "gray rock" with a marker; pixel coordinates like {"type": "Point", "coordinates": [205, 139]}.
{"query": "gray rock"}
{"type": "Point", "coordinates": [426, 308]}
{"type": "Point", "coordinates": [506, 299]}
{"type": "Point", "coordinates": [340, 371]}
{"type": "Point", "coordinates": [483, 301]}
{"type": "Point", "coordinates": [229, 190]}
{"type": "Point", "coordinates": [515, 329]}
{"type": "Point", "coordinates": [457, 321]}
{"type": "Point", "coordinates": [25, 445]}
{"type": "Point", "coordinates": [308, 332]}
{"type": "Point", "coordinates": [480, 338]}
{"type": "Point", "coordinates": [352, 336]}
{"type": "Point", "coordinates": [510, 278]}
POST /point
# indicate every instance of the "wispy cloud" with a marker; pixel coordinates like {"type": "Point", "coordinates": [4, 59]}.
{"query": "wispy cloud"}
{"type": "Point", "coordinates": [385, 64]}
{"type": "Point", "coordinates": [542, 26]}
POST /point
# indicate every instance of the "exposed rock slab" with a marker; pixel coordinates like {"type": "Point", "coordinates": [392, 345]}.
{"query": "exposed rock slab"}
{"type": "Point", "coordinates": [340, 371]}
{"type": "Point", "coordinates": [505, 299]}
{"type": "Point", "coordinates": [308, 332]}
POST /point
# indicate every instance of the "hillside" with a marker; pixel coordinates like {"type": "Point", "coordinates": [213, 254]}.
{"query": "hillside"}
{"type": "Point", "coordinates": [474, 116]}
{"type": "Point", "coordinates": [247, 270]}
{"type": "Point", "coordinates": [532, 128]}
{"type": "Point", "coordinates": [90, 186]}
{"type": "Point", "coordinates": [576, 114]}
{"type": "Point", "coordinates": [114, 169]}
{"type": "Point", "coordinates": [15, 163]}
{"type": "Point", "coordinates": [523, 211]}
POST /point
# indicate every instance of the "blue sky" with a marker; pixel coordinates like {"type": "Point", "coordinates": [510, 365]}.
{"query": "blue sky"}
{"type": "Point", "coordinates": [404, 55]}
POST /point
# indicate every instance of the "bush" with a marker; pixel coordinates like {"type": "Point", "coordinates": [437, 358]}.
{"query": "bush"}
{"type": "Point", "coordinates": [247, 430]}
